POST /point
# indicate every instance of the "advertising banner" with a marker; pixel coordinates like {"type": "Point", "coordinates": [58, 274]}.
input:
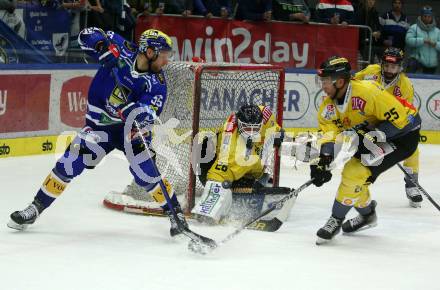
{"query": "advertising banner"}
{"type": "Point", "coordinates": [24, 102]}
{"type": "Point", "coordinates": [47, 29]}
{"type": "Point", "coordinates": [14, 49]}
{"type": "Point", "coordinates": [277, 43]}
{"type": "Point", "coordinates": [34, 104]}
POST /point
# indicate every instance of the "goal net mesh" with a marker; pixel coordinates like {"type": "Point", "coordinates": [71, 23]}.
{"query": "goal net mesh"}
{"type": "Point", "coordinates": [200, 98]}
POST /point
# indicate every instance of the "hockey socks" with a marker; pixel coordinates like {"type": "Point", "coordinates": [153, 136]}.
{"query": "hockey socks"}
{"type": "Point", "coordinates": [52, 187]}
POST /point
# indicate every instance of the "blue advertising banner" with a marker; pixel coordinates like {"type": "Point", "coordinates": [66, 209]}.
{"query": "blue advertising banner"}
{"type": "Point", "coordinates": [14, 49]}
{"type": "Point", "coordinates": [47, 29]}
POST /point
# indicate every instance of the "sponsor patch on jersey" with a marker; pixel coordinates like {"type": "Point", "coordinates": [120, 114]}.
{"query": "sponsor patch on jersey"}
{"type": "Point", "coordinates": [357, 103]}
{"type": "Point", "coordinates": [231, 124]}
{"type": "Point", "coordinates": [370, 78]}
{"type": "Point", "coordinates": [53, 186]}
{"type": "Point", "coordinates": [397, 92]}
{"type": "Point", "coordinates": [161, 78]}
{"type": "Point", "coordinates": [349, 201]}
{"type": "Point", "coordinates": [267, 113]}
{"type": "Point", "coordinates": [129, 46]}
{"type": "Point", "coordinates": [329, 112]}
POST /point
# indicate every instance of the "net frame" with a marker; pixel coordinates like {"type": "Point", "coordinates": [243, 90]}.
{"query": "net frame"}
{"type": "Point", "coordinates": [199, 70]}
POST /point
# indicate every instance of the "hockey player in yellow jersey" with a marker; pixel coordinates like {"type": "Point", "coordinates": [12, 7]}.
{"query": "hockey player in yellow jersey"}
{"type": "Point", "coordinates": [389, 74]}
{"type": "Point", "coordinates": [351, 103]}
{"type": "Point", "coordinates": [243, 143]}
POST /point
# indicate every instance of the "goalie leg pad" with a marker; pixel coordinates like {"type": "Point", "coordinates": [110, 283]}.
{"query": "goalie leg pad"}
{"type": "Point", "coordinates": [214, 204]}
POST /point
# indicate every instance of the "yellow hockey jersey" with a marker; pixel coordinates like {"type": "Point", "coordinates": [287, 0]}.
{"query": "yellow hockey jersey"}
{"type": "Point", "coordinates": [234, 160]}
{"type": "Point", "coordinates": [364, 101]}
{"type": "Point", "coordinates": [400, 87]}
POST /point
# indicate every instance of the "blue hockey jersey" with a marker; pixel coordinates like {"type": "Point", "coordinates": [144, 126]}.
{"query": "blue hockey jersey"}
{"type": "Point", "coordinates": [104, 96]}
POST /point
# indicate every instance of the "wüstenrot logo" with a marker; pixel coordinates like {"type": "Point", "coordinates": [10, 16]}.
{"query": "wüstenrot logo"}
{"type": "Point", "coordinates": [433, 105]}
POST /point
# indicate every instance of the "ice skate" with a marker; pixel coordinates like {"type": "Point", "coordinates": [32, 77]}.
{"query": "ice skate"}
{"type": "Point", "coordinates": [20, 220]}
{"type": "Point", "coordinates": [329, 230]}
{"type": "Point", "coordinates": [414, 196]}
{"type": "Point", "coordinates": [175, 229]}
{"type": "Point", "coordinates": [361, 222]}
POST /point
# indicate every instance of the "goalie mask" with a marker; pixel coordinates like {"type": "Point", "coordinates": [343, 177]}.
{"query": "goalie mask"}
{"type": "Point", "coordinates": [391, 64]}
{"type": "Point", "coordinates": [250, 120]}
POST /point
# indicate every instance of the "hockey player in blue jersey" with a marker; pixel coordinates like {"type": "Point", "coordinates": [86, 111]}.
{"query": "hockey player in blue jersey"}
{"type": "Point", "coordinates": [128, 85]}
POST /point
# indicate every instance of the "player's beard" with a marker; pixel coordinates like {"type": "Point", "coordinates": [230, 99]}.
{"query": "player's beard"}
{"type": "Point", "coordinates": [155, 67]}
{"type": "Point", "coordinates": [389, 77]}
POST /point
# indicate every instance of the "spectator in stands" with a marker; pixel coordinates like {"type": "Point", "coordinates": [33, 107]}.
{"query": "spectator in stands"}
{"type": "Point", "coordinates": [423, 41]}
{"type": "Point", "coordinates": [394, 25]}
{"type": "Point", "coordinates": [254, 10]}
{"type": "Point", "coordinates": [182, 7]}
{"type": "Point", "coordinates": [209, 8]}
{"type": "Point", "coordinates": [335, 12]}
{"type": "Point", "coordinates": [74, 8]}
{"type": "Point", "coordinates": [291, 10]}
{"type": "Point", "coordinates": [139, 7]}
{"type": "Point", "coordinates": [366, 14]}
{"type": "Point", "coordinates": [96, 15]}
{"type": "Point", "coordinates": [8, 15]}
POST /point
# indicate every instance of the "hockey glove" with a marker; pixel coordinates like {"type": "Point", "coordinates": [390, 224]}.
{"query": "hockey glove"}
{"type": "Point", "coordinates": [95, 42]}
{"type": "Point", "coordinates": [321, 172]}
{"type": "Point", "coordinates": [108, 53]}
{"type": "Point", "coordinates": [140, 114]}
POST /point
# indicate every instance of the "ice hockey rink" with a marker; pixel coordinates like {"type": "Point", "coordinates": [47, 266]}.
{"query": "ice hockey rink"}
{"type": "Point", "coordinates": [79, 244]}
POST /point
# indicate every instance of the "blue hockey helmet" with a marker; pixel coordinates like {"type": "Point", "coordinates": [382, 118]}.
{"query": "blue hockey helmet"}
{"type": "Point", "coordinates": [156, 40]}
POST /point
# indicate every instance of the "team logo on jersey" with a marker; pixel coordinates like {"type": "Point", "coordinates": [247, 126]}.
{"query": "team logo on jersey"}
{"type": "Point", "coordinates": [266, 114]}
{"type": "Point", "coordinates": [397, 92]}
{"type": "Point", "coordinates": [358, 103]}
{"type": "Point", "coordinates": [329, 112]}
{"type": "Point", "coordinates": [161, 78]}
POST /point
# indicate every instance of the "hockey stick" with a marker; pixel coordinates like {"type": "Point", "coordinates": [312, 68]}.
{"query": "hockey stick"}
{"type": "Point", "coordinates": [275, 223]}
{"type": "Point", "coordinates": [275, 205]}
{"type": "Point", "coordinates": [194, 237]}
{"type": "Point", "coordinates": [415, 182]}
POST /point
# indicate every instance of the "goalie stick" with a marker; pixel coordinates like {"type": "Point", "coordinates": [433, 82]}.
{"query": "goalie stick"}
{"type": "Point", "coordinates": [202, 242]}
{"type": "Point", "coordinates": [195, 247]}
{"type": "Point", "coordinates": [275, 223]}
{"type": "Point", "coordinates": [419, 186]}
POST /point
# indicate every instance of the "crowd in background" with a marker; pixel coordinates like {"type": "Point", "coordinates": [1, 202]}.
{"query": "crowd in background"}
{"type": "Point", "coordinates": [419, 40]}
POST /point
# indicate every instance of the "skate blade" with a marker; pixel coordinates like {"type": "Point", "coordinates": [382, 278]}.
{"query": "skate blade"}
{"type": "Point", "coordinates": [13, 225]}
{"type": "Point", "coordinates": [415, 204]}
{"type": "Point", "coordinates": [372, 225]}
{"type": "Point", "coordinates": [321, 241]}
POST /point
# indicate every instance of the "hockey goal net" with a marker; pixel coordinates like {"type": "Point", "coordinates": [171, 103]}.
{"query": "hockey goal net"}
{"type": "Point", "coordinates": [200, 98]}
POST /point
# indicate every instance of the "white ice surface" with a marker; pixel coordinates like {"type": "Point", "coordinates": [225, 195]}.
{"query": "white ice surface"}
{"type": "Point", "coordinates": [79, 244]}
